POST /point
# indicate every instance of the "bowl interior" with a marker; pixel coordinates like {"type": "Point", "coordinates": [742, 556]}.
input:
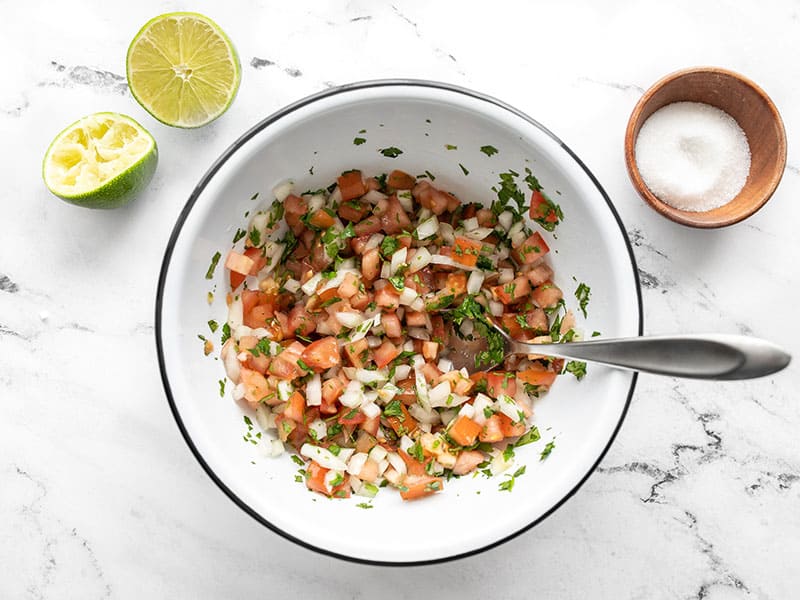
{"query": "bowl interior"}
{"type": "Point", "coordinates": [312, 142]}
{"type": "Point", "coordinates": [756, 115]}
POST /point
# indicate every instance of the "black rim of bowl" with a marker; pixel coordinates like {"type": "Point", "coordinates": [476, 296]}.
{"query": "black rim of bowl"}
{"type": "Point", "coordinates": [209, 174]}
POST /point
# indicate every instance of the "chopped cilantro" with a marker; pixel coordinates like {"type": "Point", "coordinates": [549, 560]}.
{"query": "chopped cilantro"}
{"type": "Point", "coordinates": [582, 293]}
{"type": "Point", "coordinates": [415, 450]}
{"type": "Point", "coordinates": [240, 233]}
{"type": "Point", "coordinates": [221, 388]}
{"type": "Point", "coordinates": [463, 169]}
{"type": "Point", "coordinates": [330, 301]}
{"type": "Point", "coordinates": [393, 409]}
{"type": "Point", "coordinates": [508, 190]}
{"type": "Point", "coordinates": [359, 140]}
{"type": "Point", "coordinates": [471, 309]}
{"type": "Point", "coordinates": [226, 333]}
{"type": "Point", "coordinates": [489, 150]}
{"type": "Point", "coordinates": [547, 449]}
{"type": "Point", "coordinates": [596, 333]}
{"type": "Point", "coordinates": [389, 246]}
{"type": "Point", "coordinates": [289, 242]}
{"type": "Point", "coordinates": [212, 325]}
{"type": "Point", "coordinates": [390, 152]}
{"type": "Point", "coordinates": [450, 147]}
{"type": "Point", "coordinates": [255, 237]}
{"type": "Point", "coordinates": [484, 263]}
{"type": "Point", "coordinates": [213, 265]}
{"type": "Point", "coordinates": [577, 368]}
{"type": "Point", "coordinates": [532, 435]}
{"type": "Point", "coordinates": [304, 366]}
{"type": "Point", "coordinates": [364, 505]}
{"type": "Point", "coordinates": [398, 282]}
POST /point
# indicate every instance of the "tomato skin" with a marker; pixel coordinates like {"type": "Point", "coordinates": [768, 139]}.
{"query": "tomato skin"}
{"type": "Point", "coordinates": [351, 185]}
{"type": "Point", "coordinates": [464, 431]}
{"type": "Point", "coordinates": [322, 354]}
{"type": "Point", "coordinates": [466, 251]}
{"type": "Point", "coordinates": [351, 416]}
{"type": "Point", "coordinates": [499, 383]}
{"type": "Point", "coordinates": [530, 250]}
{"type": "Point", "coordinates": [541, 209]}
{"type": "Point", "coordinates": [395, 219]}
{"type": "Point", "coordinates": [386, 353]}
{"type": "Point", "coordinates": [511, 293]}
{"type": "Point", "coordinates": [353, 210]}
{"type": "Point", "coordinates": [547, 295]}
{"type": "Point", "coordinates": [419, 486]}
{"type": "Point", "coordinates": [294, 208]}
{"type": "Point", "coordinates": [400, 180]}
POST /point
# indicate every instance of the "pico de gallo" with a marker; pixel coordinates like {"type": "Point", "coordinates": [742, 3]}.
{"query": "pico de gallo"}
{"type": "Point", "coordinates": [337, 329]}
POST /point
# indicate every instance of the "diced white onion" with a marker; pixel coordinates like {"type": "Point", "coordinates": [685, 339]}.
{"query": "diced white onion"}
{"type": "Point", "coordinates": [374, 196]}
{"type": "Point", "coordinates": [314, 391]}
{"type": "Point", "coordinates": [265, 418]}
{"type": "Point", "coordinates": [475, 282]}
{"type": "Point", "coordinates": [421, 259]}
{"type": "Point", "coordinates": [319, 427]}
{"type": "Point", "coordinates": [232, 366]}
{"type": "Point", "coordinates": [467, 410]}
{"type": "Point", "coordinates": [427, 228]}
{"type": "Point", "coordinates": [239, 391]}
{"type": "Point", "coordinates": [378, 453]}
{"type": "Point", "coordinates": [325, 458]}
{"type": "Point", "coordinates": [276, 448]}
{"type": "Point", "coordinates": [405, 443]}
{"type": "Point", "coordinates": [315, 202]}
{"type": "Point", "coordinates": [466, 327]}
{"type": "Point", "coordinates": [509, 407]}
{"type": "Point", "coordinates": [330, 477]}
{"type": "Point", "coordinates": [346, 453]}
{"type": "Point", "coordinates": [374, 241]}
{"type": "Point", "coordinates": [506, 276]}
{"type": "Point", "coordinates": [283, 190]}
{"type": "Point", "coordinates": [496, 308]}
{"type": "Point", "coordinates": [505, 219]}
{"type": "Point", "coordinates": [398, 258]}
{"type": "Point", "coordinates": [516, 228]}
{"type": "Point", "coordinates": [259, 222]}
{"type": "Point", "coordinates": [285, 390]}
{"type": "Point", "coordinates": [371, 410]}
{"type": "Point", "coordinates": [292, 285]}
{"type": "Point", "coordinates": [481, 401]}
{"type": "Point", "coordinates": [447, 233]}
{"type": "Point", "coordinates": [479, 233]}
{"type": "Point", "coordinates": [386, 271]}
{"type": "Point", "coordinates": [388, 391]}
{"type": "Point", "coordinates": [373, 341]}
{"type": "Point", "coordinates": [335, 198]}
{"type": "Point", "coordinates": [362, 330]}
{"type": "Point", "coordinates": [517, 239]}
{"type": "Point", "coordinates": [397, 462]}
{"type": "Point", "coordinates": [408, 295]}
{"type": "Point", "coordinates": [356, 463]}
{"type": "Point", "coordinates": [235, 313]}
{"type": "Point", "coordinates": [352, 395]}
{"type": "Point", "coordinates": [310, 286]}
{"type": "Point", "coordinates": [440, 259]}
{"type": "Point", "coordinates": [382, 465]}
{"type": "Point", "coordinates": [367, 376]}
{"type": "Point", "coordinates": [470, 224]}
{"type": "Point", "coordinates": [438, 394]}
{"type": "Point", "coordinates": [447, 415]}
{"type": "Point", "coordinates": [445, 365]}
{"type": "Point", "coordinates": [401, 372]}
{"type": "Point", "coordinates": [417, 305]}
{"type": "Point", "coordinates": [424, 213]}
{"type": "Point", "coordinates": [419, 333]}
{"type": "Point", "coordinates": [406, 200]}
{"type": "Point", "coordinates": [349, 319]}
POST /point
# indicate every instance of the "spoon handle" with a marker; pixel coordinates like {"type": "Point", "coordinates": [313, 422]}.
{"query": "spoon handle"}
{"type": "Point", "coordinates": [712, 356]}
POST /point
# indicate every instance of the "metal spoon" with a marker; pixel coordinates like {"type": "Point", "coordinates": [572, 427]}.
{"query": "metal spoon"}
{"type": "Point", "coordinates": [710, 356]}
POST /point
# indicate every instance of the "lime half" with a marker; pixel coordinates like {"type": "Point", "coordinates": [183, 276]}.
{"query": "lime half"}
{"type": "Point", "coordinates": [100, 161]}
{"type": "Point", "coordinates": [183, 69]}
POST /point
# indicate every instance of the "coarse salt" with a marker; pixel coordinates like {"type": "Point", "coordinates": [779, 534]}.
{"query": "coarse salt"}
{"type": "Point", "coordinates": [693, 156]}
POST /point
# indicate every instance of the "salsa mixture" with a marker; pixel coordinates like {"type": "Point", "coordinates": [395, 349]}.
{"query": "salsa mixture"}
{"type": "Point", "coordinates": [340, 304]}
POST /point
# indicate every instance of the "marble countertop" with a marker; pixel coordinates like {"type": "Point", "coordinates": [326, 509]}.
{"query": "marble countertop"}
{"type": "Point", "coordinates": [101, 498]}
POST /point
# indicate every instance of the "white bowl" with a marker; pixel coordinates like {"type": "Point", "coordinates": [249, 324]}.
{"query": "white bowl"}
{"type": "Point", "coordinates": [420, 118]}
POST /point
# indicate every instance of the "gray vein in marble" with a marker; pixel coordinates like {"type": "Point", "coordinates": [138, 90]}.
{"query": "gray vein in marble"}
{"type": "Point", "coordinates": [638, 240]}
{"type": "Point", "coordinates": [17, 110]}
{"type": "Point", "coordinates": [6, 285]}
{"type": "Point", "coordinates": [793, 169]}
{"type": "Point", "coordinates": [364, 18]}
{"type": "Point", "coordinates": [724, 576]}
{"type": "Point", "coordinates": [82, 75]}
{"type": "Point", "coordinates": [140, 328]}
{"type": "Point", "coordinates": [415, 27]}
{"type": "Point", "coordinates": [76, 327]}
{"type": "Point", "coordinates": [11, 333]}
{"type": "Point", "coordinates": [260, 63]}
{"type": "Point", "coordinates": [783, 481]}
{"type": "Point", "coordinates": [624, 87]}
{"type": "Point", "coordinates": [649, 280]}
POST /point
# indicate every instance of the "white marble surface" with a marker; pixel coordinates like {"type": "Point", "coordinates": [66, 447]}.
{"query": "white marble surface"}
{"type": "Point", "coordinates": [101, 498]}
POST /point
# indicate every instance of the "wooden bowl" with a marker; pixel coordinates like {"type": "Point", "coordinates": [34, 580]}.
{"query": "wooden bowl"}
{"type": "Point", "coordinates": [749, 106]}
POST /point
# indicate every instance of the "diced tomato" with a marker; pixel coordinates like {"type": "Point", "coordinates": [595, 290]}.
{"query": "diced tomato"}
{"type": "Point", "coordinates": [512, 326]}
{"type": "Point", "coordinates": [371, 264]}
{"type": "Point", "coordinates": [539, 274]}
{"type": "Point", "coordinates": [387, 297]}
{"type": "Point", "coordinates": [404, 424]}
{"type": "Point", "coordinates": [466, 251]}
{"type": "Point", "coordinates": [294, 208]}
{"type": "Point", "coordinates": [415, 319]}
{"type": "Point", "coordinates": [541, 209]}
{"type": "Point", "coordinates": [400, 180]}
{"type": "Point", "coordinates": [467, 461]}
{"type": "Point", "coordinates": [331, 390]}
{"type": "Point", "coordinates": [371, 425]}
{"type": "Point", "coordinates": [284, 366]}
{"type": "Point", "coordinates": [361, 300]}
{"type": "Point", "coordinates": [547, 295]}
{"type": "Point", "coordinates": [365, 442]}
{"type": "Point", "coordinates": [372, 224]}
{"type": "Point", "coordinates": [315, 481]}
{"type": "Point", "coordinates": [499, 383]}
{"type": "Point", "coordinates": [486, 217]}
{"type": "Point", "coordinates": [255, 385]}
{"type": "Point", "coordinates": [509, 427]}
{"type": "Point", "coordinates": [419, 486]}
{"type": "Point", "coordinates": [391, 325]}
{"type": "Point", "coordinates": [413, 466]}
{"type": "Point", "coordinates": [431, 372]}
{"type": "Point", "coordinates": [322, 354]}
{"type": "Point", "coordinates": [537, 377]}
{"type": "Point", "coordinates": [285, 426]}
{"type": "Point", "coordinates": [351, 416]}
{"type": "Point", "coordinates": [456, 283]}
{"type": "Point", "coordinates": [430, 350]}
{"type": "Point", "coordinates": [353, 210]}
{"type": "Point", "coordinates": [258, 363]}
{"type": "Point", "coordinates": [386, 353]}
{"type": "Point", "coordinates": [491, 431]}
{"type": "Point", "coordinates": [321, 219]}
{"type": "Point", "coordinates": [259, 316]}
{"type": "Point", "coordinates": [239, 263]}
{"type": "Point", "coordinates": [351, 185]}
{"type": "Point", "coordinates": [300, 322]}
{"type": "Point", "coordinates": [357, 352]}
{"type": "Point", "coordinates": [513, 291]}
{"type": "Point", "coordinates": [464, 431]}
{"type": "Point", "coordinates": [395, 219]}
{"type": "Point", "coordinates": [295, 407]}
{"type": "Point", "coordinates": [531, 250]}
